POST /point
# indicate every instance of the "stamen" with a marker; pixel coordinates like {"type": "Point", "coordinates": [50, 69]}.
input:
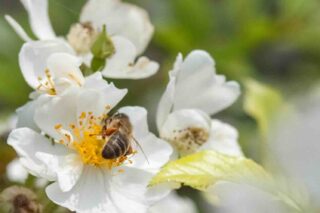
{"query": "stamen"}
{"type": "Point", "coordinates": [75, 79]}
{"type": "Point", "coordinates": [46, 85]}
{"type": "Point", "coordinates": [188, 140]}
{"type": "Point", "coordinates": [58, 126]}
{"type": "Point", "coordinates": [87, 141]}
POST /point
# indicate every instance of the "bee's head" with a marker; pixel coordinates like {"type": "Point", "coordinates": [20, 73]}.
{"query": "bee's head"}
{"type": "Point", "coordinates": [117, 121]}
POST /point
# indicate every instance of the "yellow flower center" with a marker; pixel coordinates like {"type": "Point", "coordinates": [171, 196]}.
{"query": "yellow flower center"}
{"type": "Point", "coordinates": [86, 139]}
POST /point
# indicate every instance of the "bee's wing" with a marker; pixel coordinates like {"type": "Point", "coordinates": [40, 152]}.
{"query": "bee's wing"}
{"type": "Point", "coordinates": [138, 144]}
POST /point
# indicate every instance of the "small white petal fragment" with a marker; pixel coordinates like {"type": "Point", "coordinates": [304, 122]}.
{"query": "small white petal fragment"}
{"type": "Point", "coordinates": [122, 64]}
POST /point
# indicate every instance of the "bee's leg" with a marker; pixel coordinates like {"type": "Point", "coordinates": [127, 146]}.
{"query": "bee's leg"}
{"type": "Point", "coordinates": [110, 131]}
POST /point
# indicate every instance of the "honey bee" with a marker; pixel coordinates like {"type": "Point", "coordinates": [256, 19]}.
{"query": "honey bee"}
{"type": "Point", "coordinates": [117, 131]}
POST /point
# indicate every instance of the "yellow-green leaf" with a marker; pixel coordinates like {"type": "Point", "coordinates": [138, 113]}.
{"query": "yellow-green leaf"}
{"type": "Point", "coordinates": [263, 103]}
{"type": "Point", "coordinates": [203, 169]}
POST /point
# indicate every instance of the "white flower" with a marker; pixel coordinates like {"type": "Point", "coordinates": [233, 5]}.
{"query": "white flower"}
{"type": "Point", "coordinates": [174, 202]}
{"type": "Point", "coordinates": [128, 26]}
{"type": "Point", "coordinates": [193, 93]}
{"type": "Point", "coordinates": [83, 180]}
{"type": "Point", "coordinates": [16, 172]}
{"type": "Point", "coordinates": [51, 74]}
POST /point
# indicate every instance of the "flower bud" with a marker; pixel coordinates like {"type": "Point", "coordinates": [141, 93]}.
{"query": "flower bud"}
{"type": "Point", "coordinates": [81, 37]}
{"type": "Point", "coordinates": [18, 199]}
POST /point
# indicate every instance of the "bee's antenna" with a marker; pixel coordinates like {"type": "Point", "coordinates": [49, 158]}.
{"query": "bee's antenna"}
{"type": "Point", "coordinates": [135, 140]}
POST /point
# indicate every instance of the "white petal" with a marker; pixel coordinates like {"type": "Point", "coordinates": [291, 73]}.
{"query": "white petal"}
{"type": "Point", "coordinates": [63, 64]}
{"type": "Point", "coordinates": [27, 144]}
{"type": "Point", "coordinates": [16, 172]}
{"type": "Point", "coordinates": [122, 64]}
{"type": "Point", "coordinates": [121, 19]}
{"type": "Point", "coordinates": [25, 114]}
{"type": "Point", "coordinates": [61, 110]}
{"type": "Point", "coordinates": [157, 152]}
{"type": "Point", "coordinates": [90, 194]}
{"type": "Point", "coordinates": [98, 91]}
{"type": "Point", "coordinates": [93, 101]}
{"type": "Point", "coordinates": [67, 168]}
{"type": "Point", "coordinates": [165, 105]}
{"type": "Point", "coordinates": [167, 100]}
{"type": "Point", "coordinates": [65, 69]}
{"type": "Point", "coordinates": [130, 187]}
{"type": "Point", "coordinates": [33, 58]}
{"type": "Point", "coordinates": [39, 18]}
{"type": "Point", "coordinates": [176, 66]}
{"type": "Point", "coordinates": [142, 68]}
{"type": "Point", "coordinates": [174, 201]}
{"type": "Point", "coordinates": [197, 85]}
{"type": "Point", "coordinates": [17, 28]}
{"type": "Point", "coordinates": [223, 138]}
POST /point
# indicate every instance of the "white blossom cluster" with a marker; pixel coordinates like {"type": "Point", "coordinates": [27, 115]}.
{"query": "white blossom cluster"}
{"type": "Point", "coordinates": [58, 132]}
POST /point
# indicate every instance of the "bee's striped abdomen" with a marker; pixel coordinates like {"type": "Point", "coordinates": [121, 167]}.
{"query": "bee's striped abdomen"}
{"type": "Point", "coordinates": [117, 145]}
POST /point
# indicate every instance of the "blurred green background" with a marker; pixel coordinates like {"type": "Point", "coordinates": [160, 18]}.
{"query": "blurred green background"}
{"type": "Point", "coordinates": [276, 42]}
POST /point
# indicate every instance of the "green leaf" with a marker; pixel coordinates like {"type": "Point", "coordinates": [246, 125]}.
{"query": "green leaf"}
{"type": "Point", "coordinates": [97, 64]}
{"type": "Point", "coordinates": [204, 169]}
{"type": "Point", "coordinates": [103, 47]}
{"type": "Point", "coordinates": [85, 69]}
{"type": "Point", "coordinates": [263, 103]}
